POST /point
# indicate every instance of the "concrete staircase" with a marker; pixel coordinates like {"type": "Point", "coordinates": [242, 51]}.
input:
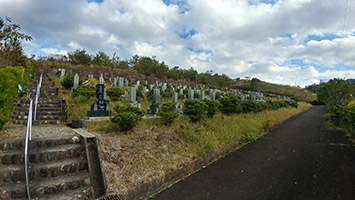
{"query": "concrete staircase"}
{"type": "Point", "coordinates": [50, 110]}
{"type": "Point", "coordinates": [58, 169]}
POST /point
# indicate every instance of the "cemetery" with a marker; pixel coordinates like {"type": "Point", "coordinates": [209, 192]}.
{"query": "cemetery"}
{"type": "Point", "coordinates": [166, 116]}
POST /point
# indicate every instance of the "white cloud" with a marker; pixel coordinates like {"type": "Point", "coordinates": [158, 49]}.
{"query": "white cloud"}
{"type": "Point", "coordinates": [235, 37]}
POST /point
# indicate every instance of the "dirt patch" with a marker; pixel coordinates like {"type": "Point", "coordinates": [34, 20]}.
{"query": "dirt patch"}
{"type": "Point", "coordinates": [130, 160]}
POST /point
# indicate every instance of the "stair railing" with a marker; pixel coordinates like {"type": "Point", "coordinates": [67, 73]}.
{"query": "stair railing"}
{"type": "Point", "coordinates": [38, 93]}
{"type": "Point", "coordinates": [27, 139]}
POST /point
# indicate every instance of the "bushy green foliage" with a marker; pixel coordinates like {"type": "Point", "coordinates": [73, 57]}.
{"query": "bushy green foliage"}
{"type": "Point", "coordinates": [115, 93]}
{"type": "Point", "coordinates": [337, 95]}
{"type": "Point", "coordinates": [167, 93]}
{"type": "Point", "coordinates": [127, 116]}
{"type": "Point", "coordinates": [85, 91]}
{"type": "Point", "coordinates": [251, 106]}
{"type": "Point", "coordinates": [231, 105]}
{"type": "Point", "coordinates": [168, 113]}
{"type": "Point", "coordinates": [212, 107]}
{"type": "Point", "coordinates": [10, 77]}
{"type": "Point", "coordinates": [182, 96]}
{"type": "Point", "coordinates": [317, 102]}
{"type": "Point", "coordinates": [195, 109]}
{"type": "Point", "coordinates": [68, 81]}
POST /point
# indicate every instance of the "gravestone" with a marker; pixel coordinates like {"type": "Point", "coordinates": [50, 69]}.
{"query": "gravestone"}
{"type": "Point", "coordinates": [151, 87]}
{"type": "Point", "coordinates": [242, 97]}
{"type": "Point", "coordinates": [175, 97]}
{"type": "Point", "coordinates": [202, 95]}
{"type": "Point", "coordinates": [126, 82]}
{"type": "Point", "coordinates": [163, 88]}
{"type": "Point", "coordinates": [76, 81]}
{"type": "Point", "coordinates": [99, 108]}
{"type": "Point", "coordinates": [278, 97]}
{"type": "Point", "coordinates": [62, 73]}
{"type": "Point", "coordinates": [115, 82]}
{"type": "Point", "coordinates": [190, 94]}
{"type": "Point", "coordinates": [120, 82]}
{"type": "Point", "coordinates": [101, 79]}
{"type": "Point", "coordinates": [212, 95]}
{"type": "Point", "coordinates": [181, 91]}
{"type": "Point", "coordinates": [145, 82]}
{"type": "Point", "coordinates": [133, 95]}
{"type": "Point", "coordinates": [154, 108]}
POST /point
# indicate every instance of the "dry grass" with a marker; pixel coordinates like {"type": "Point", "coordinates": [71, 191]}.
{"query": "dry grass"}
{"type": "Point", "coordinates": [152, 150]}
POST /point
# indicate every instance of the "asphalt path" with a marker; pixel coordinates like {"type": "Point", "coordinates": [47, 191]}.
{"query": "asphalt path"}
{"type": "Point", "coordinates": [299, 159]}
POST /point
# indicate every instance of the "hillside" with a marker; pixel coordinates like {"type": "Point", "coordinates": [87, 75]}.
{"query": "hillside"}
{"type": "Point", "coordinates": [265, 87]}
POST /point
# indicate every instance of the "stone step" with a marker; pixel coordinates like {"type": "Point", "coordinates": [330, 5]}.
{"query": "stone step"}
{"type": "Point", "coordinates": [41, 101]}
{"type": "Point", "coordinates": [18, 144]}
{"type": "Point", "coordinates": [41, 155]}
{"type": "Point", "coordinates": [82, 193]}
{"type": "Point", "coordinates": [39, 109]}
{"type": "Point", "coordinates": [38, 117]}
{"type": "Point", "coordinates": [39, 113]}
{"type": "Point", "coordinates": [49, 186]}
{"type": "Point", "coordinates": [16, 173]}
{"type": "Point", "coordinates": [34, 123]}
{"type": "Point", "coordinates": [38, 105]}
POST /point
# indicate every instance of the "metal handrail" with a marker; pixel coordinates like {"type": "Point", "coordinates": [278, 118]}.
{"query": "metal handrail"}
{"type": "Point", "coordinates": [38, 92]}
{"type": "Point", "coordinates": [27, 139]}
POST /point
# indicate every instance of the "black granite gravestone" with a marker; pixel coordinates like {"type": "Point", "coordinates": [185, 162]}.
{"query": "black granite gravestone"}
{"type": "Point", "coordinates": [99, 108]}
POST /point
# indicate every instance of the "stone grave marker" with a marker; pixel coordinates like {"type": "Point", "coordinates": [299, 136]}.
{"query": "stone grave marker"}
{"type": "Point", "coordinates": [120, 82]}
{"type": "Point", "coordinates": [133, 95]}
{"type": "Point", "coordinates": [101, 79]}
{"type": "Point", "coordinates": [99, 108]}
{"type": "Point", "coordinates": [154, 108]}
{"type": "Point", "coordinates": [115, 82]}
{"type": "Point", "coordinates": [76, 81]}
{"type": "Point", "coordinates": [202, 95]}
{"type": "Point", "coordinates": [62, 73]}
{"type": "Point", "coordinates": [190, 94]}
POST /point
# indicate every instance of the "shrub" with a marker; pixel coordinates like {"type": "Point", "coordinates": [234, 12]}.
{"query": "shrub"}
{"type": "Point", "coordinates": [230, 105]}
{"type": "Point", "coordinates": [10, 77]}
{"type": "Point", "coordinates": [292, 103]}
{"type": "Point", "coordinates": [181, 96]}
{"type": "Point", "coordinates": [167, 93]}
{"type": "Point", "coordinates": [212, 107]}
{"type": "Point", "coordinates": [194, 109]}
{"type": "Point", "coordinates": [251, 106]}
{"type": "Point", "coordinates": [114, 93]}
{"type": "Point", "coordinates": [168, 113]}
{"type": "Point", "coordinates": [127, 117]}
{"type": "Point", "coordinates": [85, 91]}
{"type": "Point", "coordinates": [68, 81]}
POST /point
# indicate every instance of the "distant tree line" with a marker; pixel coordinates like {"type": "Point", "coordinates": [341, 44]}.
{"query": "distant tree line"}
{"type": "Point", "coordinates": [148, 66]}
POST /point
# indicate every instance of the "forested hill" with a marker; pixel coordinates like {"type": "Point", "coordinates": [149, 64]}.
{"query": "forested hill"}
{"type": "Point", "coordinates": [351, 80]}
{"type": "Point", "coordinates": [265, 87]}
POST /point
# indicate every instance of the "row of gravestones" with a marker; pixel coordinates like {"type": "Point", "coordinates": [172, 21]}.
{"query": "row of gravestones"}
{"type": "Point", "coordinates": [101, 108]}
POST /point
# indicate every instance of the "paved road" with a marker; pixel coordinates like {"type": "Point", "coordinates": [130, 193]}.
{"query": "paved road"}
{"type": "Point", "coordinates": [300, 159]}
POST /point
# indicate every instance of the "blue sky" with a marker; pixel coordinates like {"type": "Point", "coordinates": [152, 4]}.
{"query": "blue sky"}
{"type": "Point", "coordinates": [294, 42]}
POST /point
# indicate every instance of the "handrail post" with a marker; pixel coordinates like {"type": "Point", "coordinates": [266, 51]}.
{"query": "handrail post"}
{"type": "Point", "coordinates": [27, 139]}
{"type": "Point", "coordinates": [38, 93]}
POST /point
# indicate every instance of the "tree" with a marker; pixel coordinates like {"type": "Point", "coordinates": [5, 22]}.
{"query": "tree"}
{"type": "Point", "coordinates": [11, 52]}
{"type": "Point", "coordinates": [101, 59]}
{"type": "Point", "coordinates": [336, 93]}
{"type": "Point", "coordinates": [79, 56]}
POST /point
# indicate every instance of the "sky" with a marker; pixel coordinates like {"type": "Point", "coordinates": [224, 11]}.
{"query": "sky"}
{"type": "Point", "coordinates": [293, 42]}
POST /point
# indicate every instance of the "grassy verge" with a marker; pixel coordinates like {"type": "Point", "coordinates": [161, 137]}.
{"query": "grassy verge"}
{"type": "Point", "coordinates": [151, 150]}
